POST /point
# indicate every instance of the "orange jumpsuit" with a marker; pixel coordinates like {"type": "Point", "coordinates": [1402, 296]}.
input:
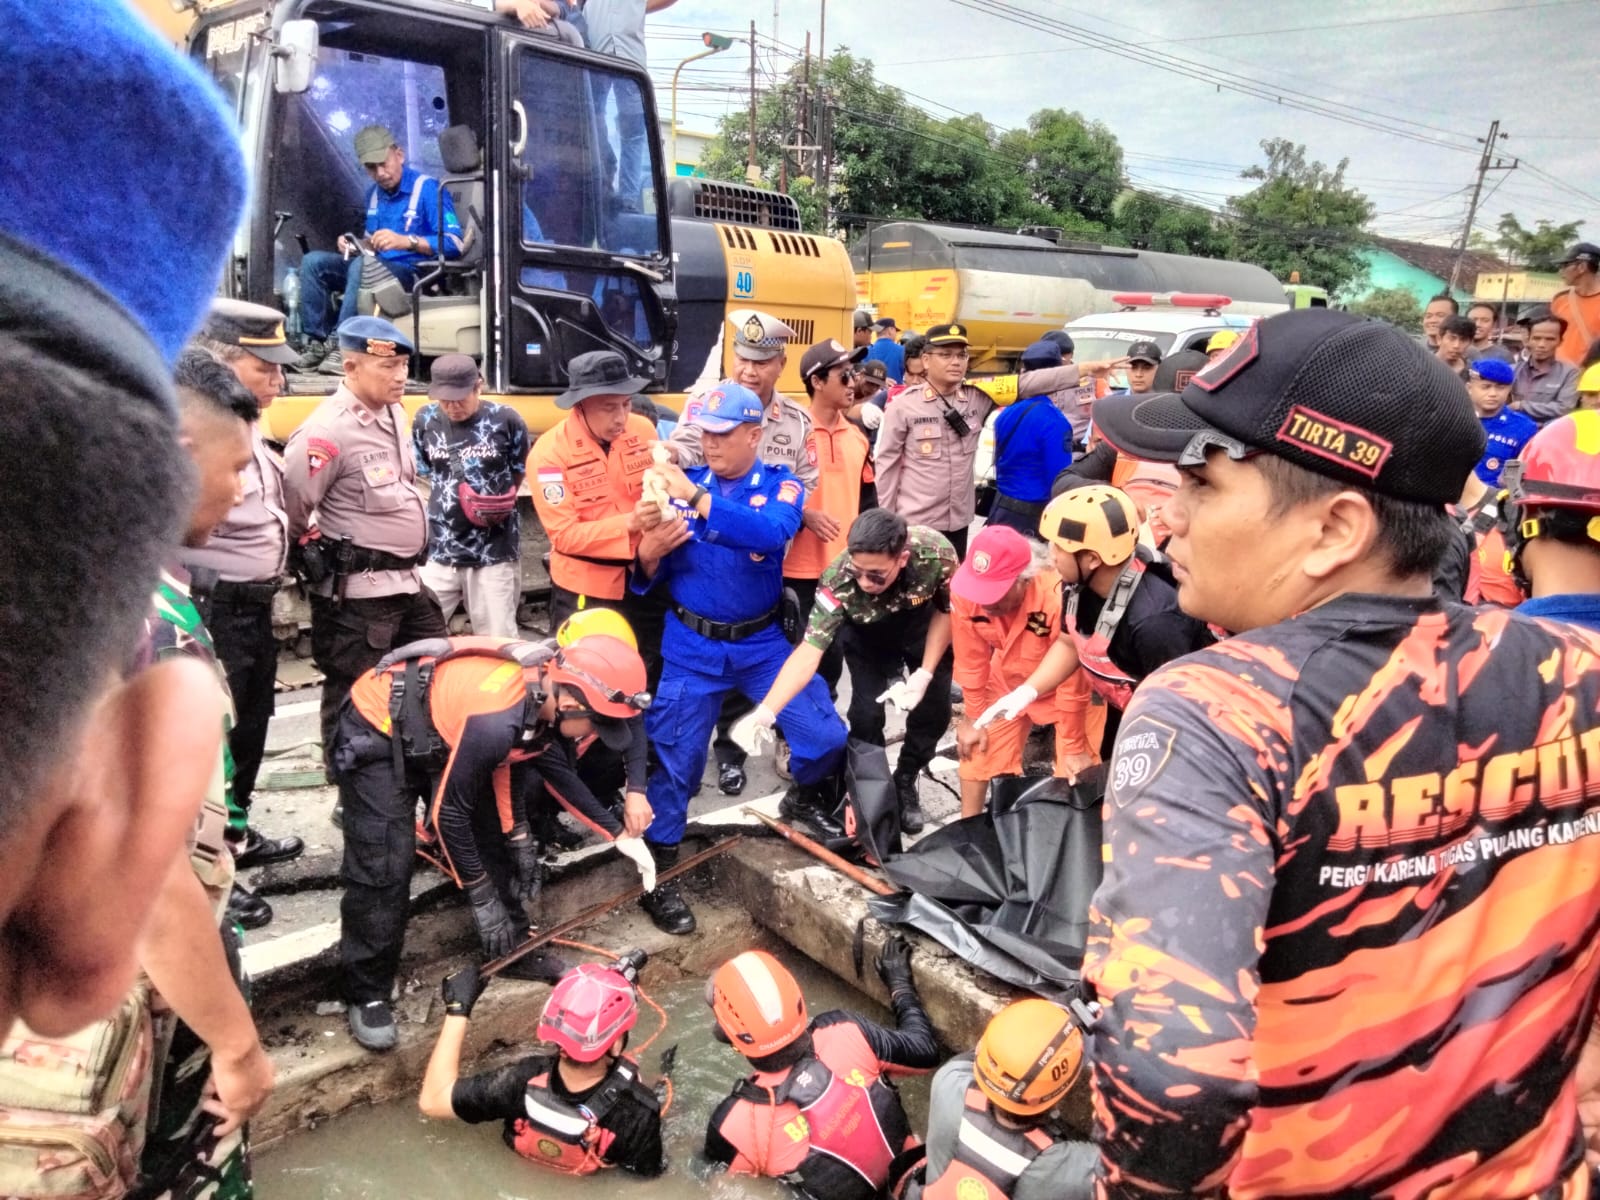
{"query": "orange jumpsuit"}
{"type": "Point", "coordinates": [843, 461]}
{"type": "Point", "coordinates": [584, 496]}
{"type": "Point", "coordinates": [994, 654]}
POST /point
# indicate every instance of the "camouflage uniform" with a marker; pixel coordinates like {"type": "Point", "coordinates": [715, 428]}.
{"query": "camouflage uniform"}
{"type": "Point", "coordinates": [883, 634]}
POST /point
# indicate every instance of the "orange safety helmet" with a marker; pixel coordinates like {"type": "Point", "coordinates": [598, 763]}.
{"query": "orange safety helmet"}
{"type": "Point", "coordinates": [606, 671]}
{"type": "Point", "coordinates": [1560, 465]}
{"type": "Point", "coordinates": [757, 1004]}
{"type": "Point", "coordinates": [1028, 1057]}
{"type": "Point", "coordinates": [589, 1009]}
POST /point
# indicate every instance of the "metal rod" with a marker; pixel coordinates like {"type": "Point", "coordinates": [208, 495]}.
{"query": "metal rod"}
{"type": "Point", "coordinates": [820, 852]}
{"type": "Point", "coordinates": [491, 969]}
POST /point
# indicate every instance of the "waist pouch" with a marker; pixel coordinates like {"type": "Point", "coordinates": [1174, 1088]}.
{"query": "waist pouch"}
{"type": "Point", "coordinates": [485, 511]}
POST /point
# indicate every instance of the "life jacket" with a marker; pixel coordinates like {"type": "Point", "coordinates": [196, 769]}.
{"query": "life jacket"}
{"type": "Point", "coordinates": [1108, 680]}
{"type": "Point", "coordinates": [850, 1118]}
{"type": "Point", "coordinates": [412, 735]}
{"type": "Point", "coordinates": [989, 1157]}
{"type": "Point", "coordinates": [567, 1137]}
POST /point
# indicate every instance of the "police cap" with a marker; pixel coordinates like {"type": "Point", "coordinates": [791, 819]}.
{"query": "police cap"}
{"type": "Point", "coordinates": [374, 336]}
{"type": "Point", "coordinates": [1493, 370]}
{"type": "Point", "coordinates": [758, 336]}
{"type": "Point", "coordinates": [727, 406]}
{"type": "Point", "coordinates": [947, 335]}
{"type": "Point", "coordinates": [252, 327]}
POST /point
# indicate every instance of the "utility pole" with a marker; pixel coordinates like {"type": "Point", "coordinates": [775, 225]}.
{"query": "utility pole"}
{"type": "Point", "coordinates": [1489, 162]}
{"type": "Point", "coordinates": [752, 170]}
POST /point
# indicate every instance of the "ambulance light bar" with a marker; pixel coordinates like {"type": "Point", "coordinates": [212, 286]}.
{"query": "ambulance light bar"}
{"type": "Point", "coordinates": [1171, 300]}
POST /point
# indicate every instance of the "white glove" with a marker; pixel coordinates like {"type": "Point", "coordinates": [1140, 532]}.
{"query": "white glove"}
{"type": "Point", "coordinates": [871, 416]}
{"type": "Point", "coordinates": [752, 732]}
{"type": "Point", "coordinates": [1008, 708]}
{"type": "Point", "coordinates": [634, 848]}
{"type": "Point", "coordinates": [906, 694]}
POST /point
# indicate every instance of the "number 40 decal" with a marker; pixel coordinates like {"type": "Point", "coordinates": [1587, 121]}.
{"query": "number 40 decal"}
{"type": "Point", "coordinates": [744, 283]}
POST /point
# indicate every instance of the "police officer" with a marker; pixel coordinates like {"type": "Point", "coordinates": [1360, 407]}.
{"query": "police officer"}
{"type": "Point", "coordinates": [759, 358]}
{"type": "Point", "coordinates": [588, 474]}
{"type": "Point", "coordinates": [720, 558]}
{"type": "Point", "coordinates": [475, 453]}
{"type": "Point", "coordinates": [351, 464]}
{"type": "Point", "coordinates": [929, 439]}
{"type": "Point", "coordinates": [889, 593]}
{"type": "Point", "coordinates": [237, 572]}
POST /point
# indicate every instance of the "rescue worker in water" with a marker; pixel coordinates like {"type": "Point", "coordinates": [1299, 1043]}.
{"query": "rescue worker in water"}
{"type": "Point", "coordinates": [819, 1109]}
{"type": "Point", "coordinates": [577, 1110]}
{"type": "Point", "coordinates": [993, 1132]}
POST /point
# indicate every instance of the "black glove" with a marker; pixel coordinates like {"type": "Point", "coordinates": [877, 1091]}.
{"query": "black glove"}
{"type": "Point", "coordinates": [461, 990]}
{"type": "Point", "coordinates": [894, 965]}
{"type": "Point", "coordinates": [525, 854]}
{"type": "Point", "coordinates": [497, 933]}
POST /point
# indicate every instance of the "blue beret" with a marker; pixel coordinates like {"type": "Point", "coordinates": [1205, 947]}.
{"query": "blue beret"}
{"type": "Point", "coordinates": [124, 165]}
{"type": "Point", "coordinates": [1494, 370]}
{"type": "Point", "coordinates": [727, 406]}
{"type": "Point", "coordinates": [374, 335]}
{"type": "Point", "coordinates": [1042, 354]}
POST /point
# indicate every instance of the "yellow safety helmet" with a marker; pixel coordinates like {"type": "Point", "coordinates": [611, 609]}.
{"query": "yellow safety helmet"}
{"type": "Point", "coordinates": [591, 621]}
{"type": "Point", "coordinates": [1029, 1057]}
{"type": "Point", "coordinates": [1589, 381]}
{"type": "Point", "coordinates": [1222, 339]}
{"type": "Point", "coordinates": [1097, 517]}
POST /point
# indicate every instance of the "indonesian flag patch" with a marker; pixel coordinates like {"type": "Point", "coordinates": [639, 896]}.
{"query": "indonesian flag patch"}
{"type": "Point", "coordinates": [827, 601]}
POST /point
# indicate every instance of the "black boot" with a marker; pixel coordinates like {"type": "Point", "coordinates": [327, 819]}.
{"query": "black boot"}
{"type": "Point", "coordinates": [815, 807]}
{"type": "Point", "coordinates": [666, 905]}
{"type": "Point", "coordinates": [911, 820]}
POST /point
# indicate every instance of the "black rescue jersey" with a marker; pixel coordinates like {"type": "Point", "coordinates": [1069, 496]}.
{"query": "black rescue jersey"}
{"type": "Point", "coordinates": [1347, 932]}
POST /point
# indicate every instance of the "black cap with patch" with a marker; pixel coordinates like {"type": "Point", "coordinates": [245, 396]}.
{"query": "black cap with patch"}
{"type": "Point", "coordinates": [1147, 352]}
{"type": "Point", "coordinates": [1584, 252]}
{"type": "Point", "coordinates": [1352, 399]}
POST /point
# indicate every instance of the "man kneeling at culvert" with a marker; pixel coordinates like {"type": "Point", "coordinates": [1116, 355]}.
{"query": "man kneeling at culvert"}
{"type": "Point", "coordinates": [576, 1108]}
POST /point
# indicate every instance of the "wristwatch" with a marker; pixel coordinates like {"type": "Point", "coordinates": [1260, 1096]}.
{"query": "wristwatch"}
{"type": "Point", "coordinates": [694, 500]}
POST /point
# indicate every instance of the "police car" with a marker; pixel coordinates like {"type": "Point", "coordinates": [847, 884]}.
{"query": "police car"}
{"type": "Point", "coordinates": [1174, 321]}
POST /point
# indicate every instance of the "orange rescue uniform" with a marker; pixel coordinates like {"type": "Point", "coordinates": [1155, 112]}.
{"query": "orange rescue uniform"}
{"type": "Point", "coordinates": [1582, 315]}
{"type": "Point", "coordinates": [994, 654]}
{"type": "Point", "coordinates": [584, 496]}
{"type": "Point", "coordinates": [842, 457]}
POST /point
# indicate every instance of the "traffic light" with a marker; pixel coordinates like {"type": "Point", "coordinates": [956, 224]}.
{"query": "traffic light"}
{"type": "Point", "coordinates": [716, 41]}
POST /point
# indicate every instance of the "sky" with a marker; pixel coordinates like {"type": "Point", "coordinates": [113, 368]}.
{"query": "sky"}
{"type": "Point", "coordinates": [1427, 78]}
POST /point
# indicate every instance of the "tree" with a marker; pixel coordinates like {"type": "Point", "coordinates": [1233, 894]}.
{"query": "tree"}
{"type": "Point", "coordinates": [1538, 249]}
{"type": "Point", "coordinates": [1147, 221]}
{"type": "Point", "coordinates": [1071, 165]}
{"type": "Point", "coordinates": [1396, 305]}
{"type": "Point", "coordinates": [1302, 217]}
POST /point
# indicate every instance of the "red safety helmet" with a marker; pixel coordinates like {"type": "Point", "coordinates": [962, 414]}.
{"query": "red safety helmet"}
{"type": "Point", "coordinates": [1560, 466]}
{"type": "Point", "coordinates": [588, 1011]}
{"type": "Point", "coordinates": [608, 673]}
{"type": "Point", "coordinates": [757, 1004]}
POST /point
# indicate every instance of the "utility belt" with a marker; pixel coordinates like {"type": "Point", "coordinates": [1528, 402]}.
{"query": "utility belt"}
{"type": "Point", "coordinates": [320, 559]}
{"type": "Point", "coordinates": [227, 591]}
{"type": "Point", "coordinates": [726, 631]}
{"type": "Point", "coordinates": [1032, 510]}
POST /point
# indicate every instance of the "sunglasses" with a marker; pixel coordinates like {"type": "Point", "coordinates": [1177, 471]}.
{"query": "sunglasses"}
{"type": "Point", "coordinates": [876, 578]}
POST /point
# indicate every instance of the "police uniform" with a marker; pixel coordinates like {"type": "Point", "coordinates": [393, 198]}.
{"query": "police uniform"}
{"type": "Point", "coordinates": [925, 463]}
{"type": "Point", "coordinates": [885, 632]}
{"type": "Point", "coordinates": [585, 490]}
{"type": "Point", "coordinates": [354, 469]}
{"type": "Point", "coordinates": [723, 632]}
{"type": "Point", "coordinates": [236, 574]}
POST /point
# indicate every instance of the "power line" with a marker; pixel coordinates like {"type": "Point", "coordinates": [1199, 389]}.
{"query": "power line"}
{"type": "Point", "coordinates": [1432, 16]}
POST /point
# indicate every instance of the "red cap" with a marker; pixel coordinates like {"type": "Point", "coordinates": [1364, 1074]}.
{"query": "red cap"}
{"type": "Point", "coordinates": [997, 556]}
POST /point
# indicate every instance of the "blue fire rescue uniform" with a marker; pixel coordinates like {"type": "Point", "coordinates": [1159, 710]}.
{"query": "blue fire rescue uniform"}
{"type": "Point", "coordinates": [723, 633]}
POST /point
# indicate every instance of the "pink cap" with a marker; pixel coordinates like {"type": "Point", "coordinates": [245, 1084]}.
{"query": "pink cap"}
{"type": "Point", "coordinates": [997, 556]}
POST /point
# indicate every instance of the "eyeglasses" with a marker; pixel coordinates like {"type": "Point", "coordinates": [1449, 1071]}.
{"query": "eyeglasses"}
{"type": "Point", "coordinates": [947, 352]}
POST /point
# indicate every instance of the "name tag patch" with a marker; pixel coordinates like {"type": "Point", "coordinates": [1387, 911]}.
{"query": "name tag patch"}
{"type": "Point", "coordinates": [1337, 441]}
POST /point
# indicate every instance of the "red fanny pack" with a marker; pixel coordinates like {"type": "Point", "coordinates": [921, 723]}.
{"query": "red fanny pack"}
{"type": "Point", "coordinates": [484, 511]}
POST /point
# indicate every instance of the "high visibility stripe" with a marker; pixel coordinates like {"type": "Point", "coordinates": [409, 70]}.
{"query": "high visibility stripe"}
{"type": "Point", "coordinates": [986, 1148]}
{"type": "Point", "coordinates": [763, 987]}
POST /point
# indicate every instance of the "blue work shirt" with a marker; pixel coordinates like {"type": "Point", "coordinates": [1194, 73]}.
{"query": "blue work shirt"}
{"type": "Point", "coordinates": [412, 209]}
{"type": "Point", "coordinates": [893, 357]}
{"type": "Point", "coordinates": [1033, 444]}
{"type": "Point", "coordinates": [1508, 431]}
{"type": "Point", "coordinates": [731, 569]}
{"type": "Point", "coordinates": [1576, 608]}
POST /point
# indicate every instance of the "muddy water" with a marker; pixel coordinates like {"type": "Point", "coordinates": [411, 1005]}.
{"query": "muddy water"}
{"type": "Point", "coordinates": [390, 1152]}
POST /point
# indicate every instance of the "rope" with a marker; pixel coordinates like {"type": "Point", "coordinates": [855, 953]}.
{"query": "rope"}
{"type": "Point", "coordinates": [602, 952]}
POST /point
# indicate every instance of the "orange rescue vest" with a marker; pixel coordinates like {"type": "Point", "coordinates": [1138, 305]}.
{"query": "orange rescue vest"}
{"type": "Point", "coordinates": [1150, 485]}
{"type": "Point", "coordinates": [989, 1157]}
{"type": "Point", "coordinates": [567, 1137]}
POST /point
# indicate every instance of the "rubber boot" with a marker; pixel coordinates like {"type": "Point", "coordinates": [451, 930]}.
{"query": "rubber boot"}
{"type": "Point", "coordinates": [666, 905]}
{"type": "Point", "coordinates": [815, 807]}
{"type": "Point", "coordinates": [905, 787]}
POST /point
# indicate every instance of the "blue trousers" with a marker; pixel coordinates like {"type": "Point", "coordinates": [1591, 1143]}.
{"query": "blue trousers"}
{"type": "Point", "coordinates": [322, 272]}
{"type": "Point", "coordinates": [680, 722]}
